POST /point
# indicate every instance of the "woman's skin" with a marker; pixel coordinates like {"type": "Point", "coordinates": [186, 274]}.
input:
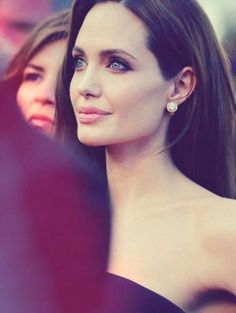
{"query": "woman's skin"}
{"type": "Point", "coordinates": [168, 233]}
{"type": "Point", "coordinates": [36, 93]}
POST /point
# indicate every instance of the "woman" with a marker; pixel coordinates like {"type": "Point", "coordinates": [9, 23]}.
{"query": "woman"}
{"type": "Point", "coordinates": [33, 71]}
{"type": "Point", "coordinates": [148, 90]}
{"type": "Point", "coordinates": [54, 235]}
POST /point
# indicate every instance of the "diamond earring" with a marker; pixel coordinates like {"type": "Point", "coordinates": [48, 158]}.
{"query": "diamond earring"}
{"type": "Point", "coordinates": [172, 107]}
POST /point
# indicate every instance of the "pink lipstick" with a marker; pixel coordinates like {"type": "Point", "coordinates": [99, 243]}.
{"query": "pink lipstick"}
{"type": "Point", "coordinates": [90, 114]}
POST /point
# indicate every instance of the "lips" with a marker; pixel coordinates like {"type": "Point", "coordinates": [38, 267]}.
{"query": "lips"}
{"type": "Point", "coordinates": [89, 114]}
{"type": "Point", "coordinates": [40, 121]}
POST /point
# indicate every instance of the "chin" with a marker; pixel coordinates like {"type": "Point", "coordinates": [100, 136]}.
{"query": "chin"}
{"type": "Point", "coordinates": [89, 140]}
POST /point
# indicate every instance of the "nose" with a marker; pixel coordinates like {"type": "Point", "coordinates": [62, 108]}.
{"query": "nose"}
{"type": "Point", "coordinates": [89, 85]}
{"type": "Point", "coordinates": [46, 92]}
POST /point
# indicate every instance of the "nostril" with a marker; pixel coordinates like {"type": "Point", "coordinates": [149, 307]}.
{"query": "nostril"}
{"type": "Point", "coordinates": [45, 101]}
{"type": "Point", "coordinates": [88, 93]}
{"type": "Point", "coordinates": [84, 92]}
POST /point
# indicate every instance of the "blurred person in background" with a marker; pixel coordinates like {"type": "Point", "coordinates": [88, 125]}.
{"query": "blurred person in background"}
{"type": "Point", "coordinates": [33, 71]}
{"type": "Point", "coordinates": [6, 53]}
{"type": "Point", "coordinates": [18, 17]}
{"type": "Point", "coordinates": [54, 234]}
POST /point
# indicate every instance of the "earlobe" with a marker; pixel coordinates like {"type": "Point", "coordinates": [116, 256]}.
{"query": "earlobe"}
{"type": "Point", "coordinates": [184, 85]}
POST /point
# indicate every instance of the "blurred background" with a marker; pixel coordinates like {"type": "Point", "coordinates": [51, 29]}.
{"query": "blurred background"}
{"type": "Point", "coordinates": [222, 14]}
{"type": "Point", "coordinates": [17, 18]}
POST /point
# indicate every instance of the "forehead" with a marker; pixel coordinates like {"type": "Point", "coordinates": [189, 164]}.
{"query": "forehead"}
{"type": "Point", "coordinates": [50, 54]}
{"type": "Point", "coordinates": [112, 24]}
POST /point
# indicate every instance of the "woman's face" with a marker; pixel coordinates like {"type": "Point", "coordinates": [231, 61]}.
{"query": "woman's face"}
{"type": "Point", "coordinates": [117, 91]}
{"type": "Point", "coordinates": [36, 93]}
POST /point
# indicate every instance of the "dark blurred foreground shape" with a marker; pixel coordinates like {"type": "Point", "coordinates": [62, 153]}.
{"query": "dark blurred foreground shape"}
{"type": "Point", "coordinates": [54, 223]}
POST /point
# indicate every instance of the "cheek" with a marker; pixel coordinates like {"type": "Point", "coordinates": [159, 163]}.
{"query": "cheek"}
{"type": "Point", "coordinates": [138, 105]}
{"type": "Point", "coordinates": [137, 96]}
{"type": "Point", "coordinates": [22, 99]}
{"type": "Point", "coordinates": [25, 99]}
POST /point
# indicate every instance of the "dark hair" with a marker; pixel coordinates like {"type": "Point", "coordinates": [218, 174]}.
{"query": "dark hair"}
{"type": "Point", "coordinates": [53, 28]}
{"type": "Point", "coordinates": [201, 134]}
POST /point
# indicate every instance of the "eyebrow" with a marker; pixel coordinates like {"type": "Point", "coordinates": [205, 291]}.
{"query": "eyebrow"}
{"type": "Point", "coordinates": [105, 52]}
{"type": "Point", "coordinates": [35, 67]}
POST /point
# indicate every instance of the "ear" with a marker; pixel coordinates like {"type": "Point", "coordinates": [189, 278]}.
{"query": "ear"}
{"type": "Point", "coordinates": [183, 85]}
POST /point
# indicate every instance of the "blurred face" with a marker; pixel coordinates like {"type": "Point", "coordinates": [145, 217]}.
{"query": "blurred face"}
{"type": "Point", "coordinates": [18, 17]}
{"type": "Point", "coordinates": [117, 91]}
{"type": "Point", "coordinates": [36, 93]}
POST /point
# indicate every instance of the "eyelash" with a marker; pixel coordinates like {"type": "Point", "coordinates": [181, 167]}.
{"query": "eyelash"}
{"type": "Point", "coordinates": [30, 76]}
{"type": "Point", "coordinates": [77, 58]}
{"type": "Point", "coordinates": [123, 65]}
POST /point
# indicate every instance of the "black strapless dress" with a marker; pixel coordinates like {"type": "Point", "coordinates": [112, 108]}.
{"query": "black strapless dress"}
{"type": "Point", "coordinates": [125, 296]}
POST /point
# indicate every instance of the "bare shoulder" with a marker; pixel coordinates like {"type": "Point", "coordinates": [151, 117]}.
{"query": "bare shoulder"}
{"type": "Point", "coordinates": [219, 213]}
{"type": "Point", "coordinates": [217, 232]}
{"type": "Point", "coordinates": [216, 217]}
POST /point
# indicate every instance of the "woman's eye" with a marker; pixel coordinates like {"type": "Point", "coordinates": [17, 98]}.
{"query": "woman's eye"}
{"type": "Point", "coordinates": [79, 62]}
{"type": "Point", "coordinates": [118, 65]}
{"type": "Point", "coordinates": [31, 76]}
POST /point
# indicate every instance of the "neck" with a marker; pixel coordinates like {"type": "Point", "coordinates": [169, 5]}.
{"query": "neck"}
{"type": "Point", "coordinates": [137, 177]}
